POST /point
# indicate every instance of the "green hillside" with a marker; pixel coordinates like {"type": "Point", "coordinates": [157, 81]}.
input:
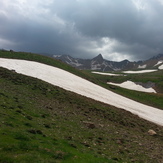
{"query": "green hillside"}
{"type": "Point", "coordinates": [155, 100]}
{"type": "Point", "coordinates": [152, 99]}
{"type": "Point", "coordinates": [44, 123]}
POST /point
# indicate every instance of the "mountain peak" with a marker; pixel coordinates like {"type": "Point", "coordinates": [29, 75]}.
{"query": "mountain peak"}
{"type": "Point", "coordinates": [157, 56]}
{"type": "Point", "coordinates": [99, 57]}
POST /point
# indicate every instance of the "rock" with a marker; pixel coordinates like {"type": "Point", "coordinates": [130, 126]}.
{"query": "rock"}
{"type": "Point", "coordinates": [89, 124]}
{"type": "Point", "coordinates": [152, 132]}
{"type": "Point", "coordinates": [101, 125]}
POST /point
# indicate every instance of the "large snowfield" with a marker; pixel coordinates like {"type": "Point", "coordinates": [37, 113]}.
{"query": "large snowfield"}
{"type": "Point", "coordinates": [68, 81]}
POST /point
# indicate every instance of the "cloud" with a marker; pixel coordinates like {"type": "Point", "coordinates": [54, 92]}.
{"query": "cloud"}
{"type": "Point", "coordinates": [128, 29]}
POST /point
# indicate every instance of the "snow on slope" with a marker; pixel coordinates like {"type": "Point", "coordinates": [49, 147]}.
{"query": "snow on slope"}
{"type": "Point", "coordinates": [160, 67]}
{"type": "Point", "coordinates": [131, 85]}
{"type": "Point", "coordinates": [81, 86]}
{"type": "Point", "coordinates": [159, 62]}
{"type": "Point", "coordinates": [142, 66]}
{"type": "Point", "coordinates": [138, 72]}
{"type": "Point", "coordinates": [110, 74]}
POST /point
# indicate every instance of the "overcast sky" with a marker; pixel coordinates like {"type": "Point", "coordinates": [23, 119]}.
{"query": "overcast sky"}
{"type": "Point", "coordinates": [118, 29]}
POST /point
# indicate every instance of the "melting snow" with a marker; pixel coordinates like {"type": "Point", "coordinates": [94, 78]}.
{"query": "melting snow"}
{"type": "Point", "coordinates": [142, 66]}
{"type": "Point", "coordinates": [110, 74]}
{"type": "Point", "coordinates": [83, 87]}
{"type": "Point", "coordinates": [159, 62]}
{"type": "Point", "coordinates": [138, 72]}
{"type": "Point", "coordinates": [95, 67]}
{"type": "Point", "coordinates": [160, 67]}
{"type": "Point", "coordinates": [131, 85]}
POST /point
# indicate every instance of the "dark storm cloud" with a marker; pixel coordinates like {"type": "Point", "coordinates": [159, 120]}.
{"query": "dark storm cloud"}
{"type": "Point", "coordinates": [131, 29]}
{"type": "Point", "coordinates": [138, 30]}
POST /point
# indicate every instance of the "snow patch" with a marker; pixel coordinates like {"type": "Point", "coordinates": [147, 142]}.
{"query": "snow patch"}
{"type": "Point", "coordinates": [142, 66]}
{"type": "Point", "coordinates": [133, 86]}
{"type": "Point", "coordinates": [110, 74]}
{"type": "Point", "coordinates": [95, 67]}
{"type": "Point", "coordinates": [71, 82]}
{"type": "Point", "coordinates": [139, 72]}
{"type": "Point", "coordinates": [160, 67]}
{"type": "Point", "coordinates": [56, 56]}
{"type": "Point", "coordinates": [159, 62]}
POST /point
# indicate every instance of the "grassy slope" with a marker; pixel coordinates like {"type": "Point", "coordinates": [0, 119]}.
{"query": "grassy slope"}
{"type": "Point", "coordinates": [155, 100]}
{"type": "Point", "coordinates": [42, 59]}
{"type": "Point", "coordinates": [43, 123]}
{"type": "Point", "coordinates": [146, 98]}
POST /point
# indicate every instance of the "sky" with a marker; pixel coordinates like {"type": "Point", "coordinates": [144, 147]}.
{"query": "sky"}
{"type": "Point", "coordinates": [117, 29]}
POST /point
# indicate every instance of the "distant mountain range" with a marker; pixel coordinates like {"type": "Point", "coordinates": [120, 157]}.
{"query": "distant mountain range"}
{"type": "Point", "coordinates": [100, 64]}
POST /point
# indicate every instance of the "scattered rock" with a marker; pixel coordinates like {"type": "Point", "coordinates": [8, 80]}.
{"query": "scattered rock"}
{"type": "Point", "coordinates": [43, 116]}
{"type": "Point", "coordinates": [101, 125]}
{"type": "Point", "coordinates": [69, 138]}
{"type": "Point", "coordinates": [59, 154]}
{"type": "Point", "coordinates": [86, 144]}
{"type": "Point", "coordinates": [73, 145]}
{"type": "Point", "coordinates": [18, 111]}
{"type": "Point", "coordinates": [47, 125]}
{"type": "Point", "coordinates": [34, 131]}
{"type": "Point", "coordinates": [119, 142]}
{"type": "Point", "coordinates": [152, 132]}
{"type": "Point", "coordinates": [29, 117]}
{"type": "Point", "coordinates": [89, 124]}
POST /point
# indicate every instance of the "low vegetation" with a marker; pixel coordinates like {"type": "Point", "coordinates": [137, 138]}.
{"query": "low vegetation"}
{"type": "Point", "coordinates": [44, 123]}
{"type": "Point", "coordinates": [151, 99]}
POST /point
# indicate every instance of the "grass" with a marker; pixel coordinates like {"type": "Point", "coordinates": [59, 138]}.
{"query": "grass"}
{"type": "Point", "coordinates": [151, 99]}
{"type": "Point", "coordinates": [44, 123]}
{"type": "Point", "coordinates": [155, 100]}
{"type": "Point", "coordinates": [42, 59]}
{"type": "Point", "coordinates": [31, 129]}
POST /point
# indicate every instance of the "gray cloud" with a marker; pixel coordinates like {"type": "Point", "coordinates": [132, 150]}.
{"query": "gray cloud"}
{"type": "Point", "coordinates": [128, 29]}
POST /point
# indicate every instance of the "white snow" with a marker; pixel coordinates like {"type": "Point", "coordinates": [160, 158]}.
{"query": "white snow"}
{"type": "Point", "coordinates": [160, 67]}
{"type": "Point", "coordinates": [83, 87]}
{"type": "Point", "coordinates": [133, 86]}
{"type": "Point", "coordinates": [95, 67]}
{"type": "Point", "coordinates": [142, 66]}
{"type": "Point", "coordinates": [138, 72]}
{"type": "Point", "coordinates": [159, 62]}
{"type": "Point", "coordinates": [76, 64]}
{"type": "Point", "coordinates": [110, 74]}
{"type": "Point", "coordinates": [55, 56]}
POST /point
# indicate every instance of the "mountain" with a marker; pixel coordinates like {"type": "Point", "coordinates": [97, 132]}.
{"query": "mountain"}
{"type": "Point", "coordinates": [101, 64]}
{"type": "Point", "coordinates": [152, 62]}
{"type": "Point", "coordinates": [97, 63]}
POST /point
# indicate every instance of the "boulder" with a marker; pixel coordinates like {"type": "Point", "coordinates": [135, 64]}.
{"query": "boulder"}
{"type": "Point", "coordinates": [152, 132]}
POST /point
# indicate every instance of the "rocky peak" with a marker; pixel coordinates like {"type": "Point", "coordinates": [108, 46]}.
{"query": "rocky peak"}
{"type": "Point", "coordinates": [159, 56]}
{"type": "Point", "coordinates": [98, 58]}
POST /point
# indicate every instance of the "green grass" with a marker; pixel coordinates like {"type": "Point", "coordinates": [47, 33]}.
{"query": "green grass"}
{"type": "Point", "coordinates": [42, 59]}
{"type": "Point", "coordinates": [44, 123]}
{"type": "Point", "coordinates": [151, 99]}
{"type": "Point", "coordinates": [155, 100]}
